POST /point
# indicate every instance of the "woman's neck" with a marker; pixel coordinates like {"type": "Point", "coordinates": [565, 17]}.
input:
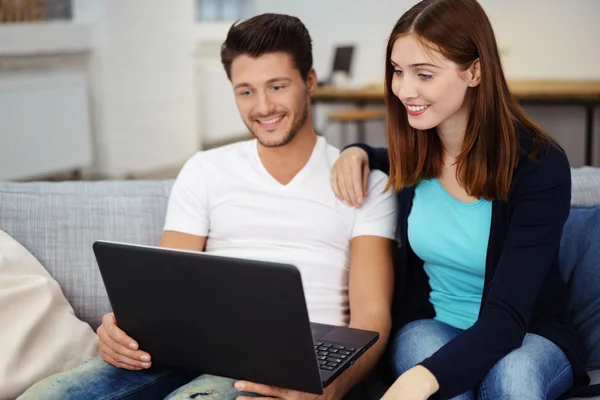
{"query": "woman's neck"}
{"type": "Point", "coordinates": [452, 133]}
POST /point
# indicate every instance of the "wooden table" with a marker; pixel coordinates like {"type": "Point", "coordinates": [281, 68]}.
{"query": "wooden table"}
{"type": "Point", "coordinates": [542, 92]}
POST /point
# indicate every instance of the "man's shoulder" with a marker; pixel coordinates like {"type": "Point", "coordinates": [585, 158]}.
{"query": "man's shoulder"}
{"type": "Point", "coordinates": [377, 179]}
{"type": "Point", "coordinates": [377, 182]}
{"type": "Point", "coordinates": [330, 149]}
{"type": "Point", "coordinates": [329, 152]}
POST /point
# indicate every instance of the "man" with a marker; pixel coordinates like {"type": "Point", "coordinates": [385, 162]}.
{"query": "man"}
{"type": "Point", "coordinates": [268, 199]}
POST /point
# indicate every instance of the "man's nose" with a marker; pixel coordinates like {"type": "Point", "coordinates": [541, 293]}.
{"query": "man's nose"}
{"type": "Point", "coordinates": [265, 105]}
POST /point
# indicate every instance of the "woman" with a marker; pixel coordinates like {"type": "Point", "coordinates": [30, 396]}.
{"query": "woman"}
{"type": "Point", "coordinates": [480, 305]}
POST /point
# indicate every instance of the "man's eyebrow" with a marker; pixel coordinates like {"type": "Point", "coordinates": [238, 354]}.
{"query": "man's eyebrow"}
{"type": "Point", "coordinates": [279, 79]}
{"type": "Point", "coordinates": [239, 85]}
{"type": "Point", "coordinates": [270, 81]}
{"type": "Point", "coordinates": [417, 65]}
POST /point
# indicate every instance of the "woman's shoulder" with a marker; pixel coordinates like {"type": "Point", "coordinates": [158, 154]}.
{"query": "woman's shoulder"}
{"type": "Point", "coordinates": [539, 151]}
{"type": "Point", "coordinates": [541, 159]}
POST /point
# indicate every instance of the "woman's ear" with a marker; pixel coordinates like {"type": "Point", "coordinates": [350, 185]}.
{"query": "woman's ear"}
{"type": "Point", "coordinates": [474, 73]}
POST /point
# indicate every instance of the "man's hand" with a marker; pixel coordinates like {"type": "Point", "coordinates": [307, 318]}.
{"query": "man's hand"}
{"type": "Point", "coordinates": [117, 348]}
{"type": "Point", "coordinates": [415, 384]}
{"type": "Point", "coordinates": [271, 392]}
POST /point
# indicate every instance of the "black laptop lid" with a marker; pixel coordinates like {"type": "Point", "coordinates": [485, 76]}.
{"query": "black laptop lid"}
{"type": "Point", "coordinates": [199, 311]}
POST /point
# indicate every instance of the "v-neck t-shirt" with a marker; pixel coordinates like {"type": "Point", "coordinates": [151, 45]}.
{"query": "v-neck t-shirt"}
{"type": "Point", "coordinates": [227, 195]}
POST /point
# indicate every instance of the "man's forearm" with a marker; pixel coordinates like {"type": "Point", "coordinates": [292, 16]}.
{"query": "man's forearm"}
{"type": "Point", "coordinates": [357, 372]}
{"type": "Point", "coordinates": [370, 292]}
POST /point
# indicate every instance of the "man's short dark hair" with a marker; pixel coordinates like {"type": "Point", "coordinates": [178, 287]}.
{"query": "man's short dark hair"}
{"type": "Point", "coordinates": [269, 33]}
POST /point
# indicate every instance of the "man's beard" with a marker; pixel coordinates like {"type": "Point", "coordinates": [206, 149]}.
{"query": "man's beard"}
{"type": "Point", "coordinates": [291, 134]}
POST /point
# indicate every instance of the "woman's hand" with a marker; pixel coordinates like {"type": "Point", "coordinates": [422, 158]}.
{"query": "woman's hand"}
{"type": "Point", "coordinates": [415, 384]}
{"type": "Point", "coordinates": [350, 175]}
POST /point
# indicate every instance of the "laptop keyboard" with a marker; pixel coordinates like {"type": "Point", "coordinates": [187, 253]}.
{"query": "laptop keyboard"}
{"type": "Point", "coordinates": [330, 356]}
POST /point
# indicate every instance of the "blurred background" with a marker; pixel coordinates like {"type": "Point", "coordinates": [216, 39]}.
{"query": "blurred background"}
{"type": "Point", "coordinates": [129, 89]}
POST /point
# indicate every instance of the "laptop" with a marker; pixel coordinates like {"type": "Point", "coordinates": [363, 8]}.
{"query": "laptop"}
{"type": "Point", "coordinates": [342, 62]}
{"type": "Point", "coordinates": [237, 318]}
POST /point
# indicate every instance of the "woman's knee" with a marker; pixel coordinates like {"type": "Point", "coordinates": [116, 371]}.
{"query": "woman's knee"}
{"type": "Point", "coordinates": [417, 341]}
{"type": "Point", "coordinates": [537, 370]}
{"type": "Point", "coordinates": [511, 382]}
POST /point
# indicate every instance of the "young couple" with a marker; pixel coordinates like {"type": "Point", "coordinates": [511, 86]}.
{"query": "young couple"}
{"type": "Point", "coordinates": [452, 257]}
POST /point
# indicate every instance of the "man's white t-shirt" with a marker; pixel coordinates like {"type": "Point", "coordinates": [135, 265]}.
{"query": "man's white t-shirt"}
{"type": "Point", "coordinates": [227, 195]}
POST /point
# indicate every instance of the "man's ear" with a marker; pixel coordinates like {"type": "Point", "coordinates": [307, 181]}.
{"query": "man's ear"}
{"type": "Point", "coordinates": [474, 73]}
{"type": "Point", "coordinates": [311, 80]}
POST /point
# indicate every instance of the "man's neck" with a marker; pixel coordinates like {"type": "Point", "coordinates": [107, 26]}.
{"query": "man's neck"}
{"type": "Point", "coordinates": [284, 162]}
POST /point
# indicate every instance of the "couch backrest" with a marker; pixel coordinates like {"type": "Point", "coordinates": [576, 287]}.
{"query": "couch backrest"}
{"type": "Point", "coordinates": [580, 258]}
{"type": "Point", "coordinates": [586, 186]}
{"type": "Point", "coordinates": [58, 222]}
{"type": "Point", "coordinates": [580, 265]}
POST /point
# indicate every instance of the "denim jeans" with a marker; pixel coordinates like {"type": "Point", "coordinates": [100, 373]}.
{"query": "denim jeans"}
{"type": "Point", "coordinates": [97, 380]}
{"type": "Point", "coordinates": [538, 370]}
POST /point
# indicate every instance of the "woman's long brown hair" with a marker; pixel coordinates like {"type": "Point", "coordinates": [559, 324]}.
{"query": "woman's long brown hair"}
{"type": "Point", "coordinates": [461, 31]}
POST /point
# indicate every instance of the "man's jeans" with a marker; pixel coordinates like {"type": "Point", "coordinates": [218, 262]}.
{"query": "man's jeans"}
{"type": "Point", "coordinates": [538, 370]}
{"type": "Point", "coordinates": [97, 380]}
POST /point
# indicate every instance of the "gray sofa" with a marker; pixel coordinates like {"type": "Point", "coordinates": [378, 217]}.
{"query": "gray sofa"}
{"type": "Point", "coordinates": [58, 222]}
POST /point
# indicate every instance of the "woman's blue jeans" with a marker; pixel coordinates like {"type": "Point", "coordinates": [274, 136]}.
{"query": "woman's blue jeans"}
{"type": "Point", "coordinates": [538, 370]}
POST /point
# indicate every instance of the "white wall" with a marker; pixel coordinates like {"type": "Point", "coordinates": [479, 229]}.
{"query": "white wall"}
{"type": "Point", "coordinates": [543, 39]}
{"type": "Point", "coordinates": [40, 56]}
{"type": "Point", "coordinates": [157, 89]}
{"type": "Point", "coordinates": [549, 39]}
{"type": "Point", "coordinates": [219, 117]}
{"type": "Point", "coordinates": [144, 94]}
{"type": "Point", "coordinates": [137, 57]}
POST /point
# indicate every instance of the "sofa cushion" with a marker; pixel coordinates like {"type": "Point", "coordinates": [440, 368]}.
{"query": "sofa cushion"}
{"type": "Point", "coordinates": [580, 265]}
{"type": "Point", "coordinates": [40, 335]}
{"type": "Point", "coordinates": [58, 222]}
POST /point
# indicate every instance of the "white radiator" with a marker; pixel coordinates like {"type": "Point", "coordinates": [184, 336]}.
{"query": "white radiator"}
{"type": "Point", "coordinates": [44, 125]}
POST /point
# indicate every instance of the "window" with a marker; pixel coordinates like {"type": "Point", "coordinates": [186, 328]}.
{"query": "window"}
{"type": "Point", "coordinates": [12, 11]}
{"type": "Point", "coordinates": [223, 10]}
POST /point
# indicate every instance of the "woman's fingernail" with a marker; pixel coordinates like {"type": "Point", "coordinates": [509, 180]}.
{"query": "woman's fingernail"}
{"type": "Point", "coordinates": [239, 385]}
{"type": "Point", "coordinates": [145, 357]}
{"type": "Point", "coordinates": [133, 345]}
{"type": "Point", "coordinates": [146, 365]}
